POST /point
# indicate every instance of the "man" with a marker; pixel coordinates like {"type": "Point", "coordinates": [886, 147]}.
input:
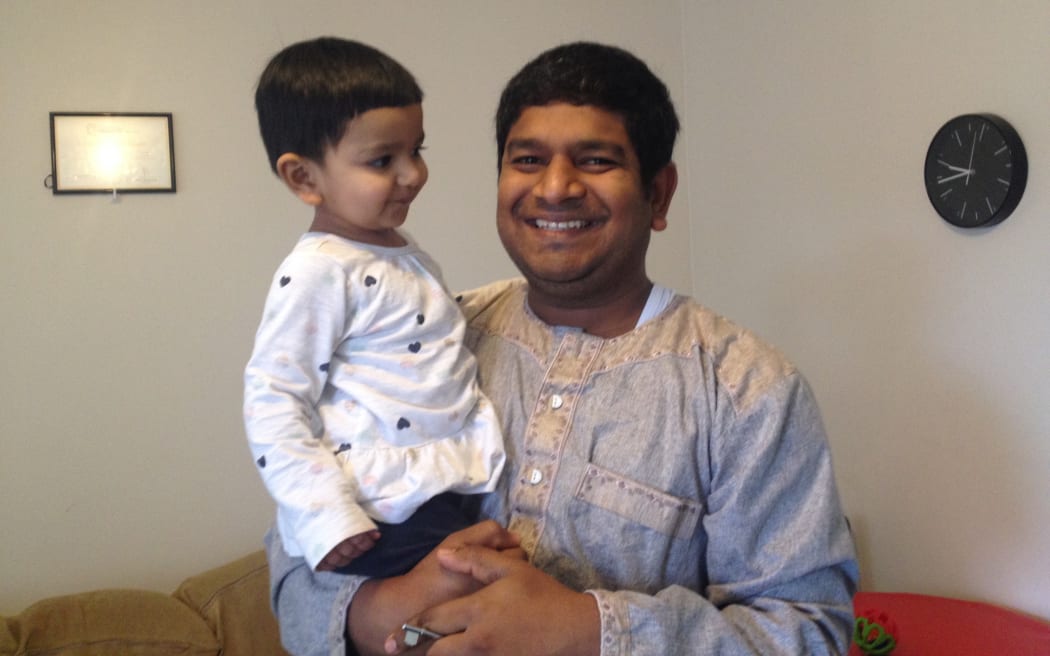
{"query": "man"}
{"type": "Point", "coordinates": [668, 475]}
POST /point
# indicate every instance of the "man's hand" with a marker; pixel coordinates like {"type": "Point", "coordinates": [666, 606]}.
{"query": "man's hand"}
{"type": "Point", "coordinates": [383, 604]}
{"type": "Point", "coordinates": [519, 611]}
{"type": "Point", "coordinates": [350, 548]}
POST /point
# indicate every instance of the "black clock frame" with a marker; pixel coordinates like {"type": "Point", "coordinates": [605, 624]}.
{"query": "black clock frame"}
{"type": "Point", "coordinates": [935, 168]}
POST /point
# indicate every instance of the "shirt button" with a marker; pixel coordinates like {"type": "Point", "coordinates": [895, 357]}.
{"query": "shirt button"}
{"type": "Point", "coordinates": [557, 401]}
{"type": "Point", "coordinates": [535, 477]}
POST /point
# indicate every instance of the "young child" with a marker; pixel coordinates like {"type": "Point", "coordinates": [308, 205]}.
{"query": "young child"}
{"type": "Point", "coordinates": [361, 405]}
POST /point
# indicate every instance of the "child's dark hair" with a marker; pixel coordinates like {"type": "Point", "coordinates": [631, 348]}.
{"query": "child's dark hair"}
{"type": "Point", "coordinates": [310, 90]}
{"type": "Point", "coordinates": [603, 76]}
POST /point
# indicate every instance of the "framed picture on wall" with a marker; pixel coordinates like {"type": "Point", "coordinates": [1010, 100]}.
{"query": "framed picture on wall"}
{"type": "Point", "coordinates": [110, 152]}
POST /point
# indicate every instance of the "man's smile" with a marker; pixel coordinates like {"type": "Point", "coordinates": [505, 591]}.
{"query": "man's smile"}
{"type": "Point", "coordinates": [562, 226]}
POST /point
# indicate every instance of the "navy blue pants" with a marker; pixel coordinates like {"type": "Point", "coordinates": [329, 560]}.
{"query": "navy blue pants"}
{"type": "Point", "coordinates": [403, 545]}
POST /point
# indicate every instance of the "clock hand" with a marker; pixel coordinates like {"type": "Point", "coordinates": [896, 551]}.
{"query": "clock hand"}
{"type": "Point", "coordinates": [970, 164]}
{"type": "Point", "coordinates": [955, 168]}
{"type": "Point", "coordinates": [965, 173]}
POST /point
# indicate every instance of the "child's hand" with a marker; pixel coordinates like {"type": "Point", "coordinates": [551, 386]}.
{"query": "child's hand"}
{"type": "Point", "coordinates": [347, 550]}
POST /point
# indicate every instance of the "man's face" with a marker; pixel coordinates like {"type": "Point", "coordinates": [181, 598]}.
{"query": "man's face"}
{"type": "Point", "coordinates": [571, 209]}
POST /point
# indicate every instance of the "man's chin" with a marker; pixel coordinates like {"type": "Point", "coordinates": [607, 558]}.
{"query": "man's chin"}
{"type": "Point", "coordinates": [558, 283]}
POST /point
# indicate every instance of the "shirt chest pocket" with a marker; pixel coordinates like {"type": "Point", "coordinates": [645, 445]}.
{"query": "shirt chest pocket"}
{"type": "Point", "coordinates": [673, 516]}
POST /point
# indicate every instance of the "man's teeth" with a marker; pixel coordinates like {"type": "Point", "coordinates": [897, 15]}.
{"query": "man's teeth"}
{"type": "Point", "coordinates": [561, 225]}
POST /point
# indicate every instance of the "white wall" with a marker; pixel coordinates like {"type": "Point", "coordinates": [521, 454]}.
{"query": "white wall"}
{"type": "Point", "coordinates": [927, 345]}
{"type": "Point", "coordinates": [126, 326]}
{"type": "Point", "coordinates": [801, 214]}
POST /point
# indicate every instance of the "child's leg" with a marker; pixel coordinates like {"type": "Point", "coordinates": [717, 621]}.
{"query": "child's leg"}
{"type": "Point", "coordinates": [403, 545]}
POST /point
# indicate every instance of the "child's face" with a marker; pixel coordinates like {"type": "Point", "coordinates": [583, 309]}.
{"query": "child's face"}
{"type": "Point", "coordinates": [367, 181]}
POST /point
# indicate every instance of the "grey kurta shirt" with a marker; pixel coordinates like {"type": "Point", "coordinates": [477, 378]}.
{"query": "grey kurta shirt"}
{"type": "Point", "coordinates": [680, 473]}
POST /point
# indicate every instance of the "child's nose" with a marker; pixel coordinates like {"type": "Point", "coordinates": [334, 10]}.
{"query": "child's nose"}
{"type": "Point", "coordinates": [413, 174]}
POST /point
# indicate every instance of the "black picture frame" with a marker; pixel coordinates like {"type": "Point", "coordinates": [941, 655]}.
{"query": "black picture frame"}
{"type": "Point", "coordinates": [112, 152]}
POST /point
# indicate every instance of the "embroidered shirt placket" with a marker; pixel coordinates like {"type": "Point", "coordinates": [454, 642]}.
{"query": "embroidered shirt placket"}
{"type": "Point", "coordinates": [547, 433]}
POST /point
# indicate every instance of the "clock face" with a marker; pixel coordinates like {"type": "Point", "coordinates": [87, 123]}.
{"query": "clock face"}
{"type": "Point", "coordinates": [976, 169]}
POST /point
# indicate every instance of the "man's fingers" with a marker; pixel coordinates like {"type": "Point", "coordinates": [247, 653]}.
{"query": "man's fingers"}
{"type": "Point", "coordinates": [414, 633]}
{"type": "Point", "coordinates": [487, 533]}
{"type": "Point", "coordinates": [444, 622]}
{"type": "Point", "coordinates": [484, 551]}
{"type": "Point", "coordinates": [484, 565]}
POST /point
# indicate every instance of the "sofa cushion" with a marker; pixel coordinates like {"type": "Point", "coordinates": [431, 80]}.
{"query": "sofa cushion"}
{"type": "Point", "coordinates": [134, 622]}
{"type": "Point", "coordinates": [235, 601]}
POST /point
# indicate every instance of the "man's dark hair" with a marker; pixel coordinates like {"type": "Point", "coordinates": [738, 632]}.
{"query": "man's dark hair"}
{"type": "Point", "coordinates": [603, 76]}
{"type": "Point", "coordinates": [310, 90]}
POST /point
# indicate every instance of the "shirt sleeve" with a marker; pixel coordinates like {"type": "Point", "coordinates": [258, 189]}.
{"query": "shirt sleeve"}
{"type": "Point", "coordinates": [305, 318]}
{"type": "Point", "coordinates": [311, 607]}
{"type": "Point", "coordinates": [780, 558]}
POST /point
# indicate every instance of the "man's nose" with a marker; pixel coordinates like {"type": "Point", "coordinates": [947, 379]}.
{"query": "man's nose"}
{"type": "Point", "coordinates": [559, 182]}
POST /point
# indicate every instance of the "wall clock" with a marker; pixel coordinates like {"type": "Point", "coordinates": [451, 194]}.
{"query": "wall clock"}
{"type": "Point", "coordinates": [976, 170]}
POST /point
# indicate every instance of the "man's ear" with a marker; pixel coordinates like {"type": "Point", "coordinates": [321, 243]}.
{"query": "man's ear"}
{"type": "Point", "coordinates": [300, 175]}
{"type": "Point", "coordinates": [661, 190]}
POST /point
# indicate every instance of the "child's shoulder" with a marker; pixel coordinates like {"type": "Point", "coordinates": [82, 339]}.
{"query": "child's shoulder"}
{"type": "Point", "coordinates": [318, 255]}
{"type": "Point", "coordinates": [331, 250]}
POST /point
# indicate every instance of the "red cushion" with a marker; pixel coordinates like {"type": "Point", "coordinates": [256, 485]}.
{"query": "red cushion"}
{"type": "Point", "coordinates": [936, 626]}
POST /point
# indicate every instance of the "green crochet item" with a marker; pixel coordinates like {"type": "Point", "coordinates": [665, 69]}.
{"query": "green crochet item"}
{"type": "Point", "coordinates": [874, 637]}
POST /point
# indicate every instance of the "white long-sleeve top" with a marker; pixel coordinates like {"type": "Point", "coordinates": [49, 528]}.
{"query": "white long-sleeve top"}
{"type": "Point", "coordinates": [360, 400]}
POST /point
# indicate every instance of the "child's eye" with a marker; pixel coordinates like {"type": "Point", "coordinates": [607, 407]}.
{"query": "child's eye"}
{"type": "Point", "coordinates": [418, 152]}
{"type": "Point", "coordinates": [381, 162]}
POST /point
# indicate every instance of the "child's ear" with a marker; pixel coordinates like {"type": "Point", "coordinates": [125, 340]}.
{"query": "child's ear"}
{"type": "Point", "coordinates": [300, 175]}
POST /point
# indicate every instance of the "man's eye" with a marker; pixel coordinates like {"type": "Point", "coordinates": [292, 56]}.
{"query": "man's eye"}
{"type": "Point", "coordinates": [598, 162]}
{"type": "Point", "coordinates": [525, 160]}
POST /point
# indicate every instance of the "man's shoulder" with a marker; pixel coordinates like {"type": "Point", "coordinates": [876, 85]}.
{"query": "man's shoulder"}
{"type": "Point", "coordinates": [742, 362]}
{"type": "Point", "coordinates": [481, 302]}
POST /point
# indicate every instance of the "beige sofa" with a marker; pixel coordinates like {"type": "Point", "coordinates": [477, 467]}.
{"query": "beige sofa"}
{"type": "Point", "coordinates": [222, 611]}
